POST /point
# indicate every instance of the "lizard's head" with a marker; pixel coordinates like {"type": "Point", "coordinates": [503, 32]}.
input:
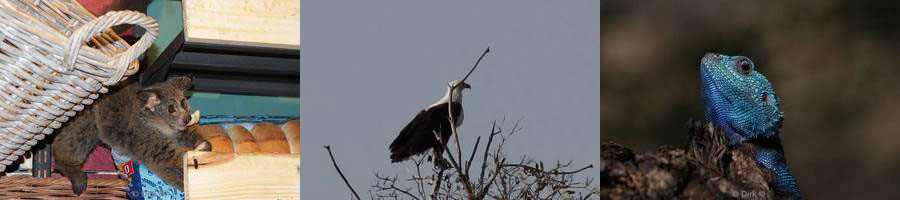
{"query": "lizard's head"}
{"type": "Point", "coordinates": [738, 98]}
{"type": "Point", "coordinates": [166, 106]}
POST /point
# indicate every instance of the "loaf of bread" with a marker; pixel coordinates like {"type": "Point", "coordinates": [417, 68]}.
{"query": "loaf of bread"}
{"type": "Point", "coordinates": [270, 138]}
{"type": "Point", "coordinates": [242, 140]}
{"type": "Point", "coordinates": [264, 138]}
{"type": "Point", "coordinates": [216, 136]}
{"type": "Point", "coordinates": [292, 133]}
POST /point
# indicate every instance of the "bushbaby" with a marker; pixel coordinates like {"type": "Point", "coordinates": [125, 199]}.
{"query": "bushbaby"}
{"type": "Point", "coordinates": [146, 124]}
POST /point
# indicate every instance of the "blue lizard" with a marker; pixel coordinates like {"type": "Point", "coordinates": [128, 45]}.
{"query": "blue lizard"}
{"type": "Point", "coordinates": [742, 102]}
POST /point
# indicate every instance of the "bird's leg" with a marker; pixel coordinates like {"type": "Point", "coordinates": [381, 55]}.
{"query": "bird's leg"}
{"type": "Point", "coordinates": [439, 161]}
{"type": "Point", "coordinates": [438, 154]}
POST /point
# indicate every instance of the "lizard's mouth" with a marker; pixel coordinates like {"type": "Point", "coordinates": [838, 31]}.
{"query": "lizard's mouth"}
{"type": "Point", "coordinates": [713, 99]}
{"type": "Point", "coordinates": [710, 85]}
{"type": "Point", "coordinates": [709, 56]}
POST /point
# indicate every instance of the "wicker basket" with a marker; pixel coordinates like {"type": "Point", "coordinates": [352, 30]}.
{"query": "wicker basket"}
{"type": "Point", "coordinates": [27, 187]}
{"type": "Point", "coordinates": [55, 58]}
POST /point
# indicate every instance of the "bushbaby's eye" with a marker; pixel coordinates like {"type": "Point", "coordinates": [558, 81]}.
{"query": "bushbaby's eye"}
{"type": "Point", "coordinates": [184, 103]}
{"type": "Point", "coordinates": [171, 108]}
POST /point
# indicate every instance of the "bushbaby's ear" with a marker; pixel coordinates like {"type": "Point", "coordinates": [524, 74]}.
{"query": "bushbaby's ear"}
{"type": "Point", "coordinates": [182, 82]}
{"type": "Point", "coordinates": [149, 98]}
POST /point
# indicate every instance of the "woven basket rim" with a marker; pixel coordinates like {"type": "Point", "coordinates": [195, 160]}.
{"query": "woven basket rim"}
{"type": "Point", "coordinates": [56, 58]}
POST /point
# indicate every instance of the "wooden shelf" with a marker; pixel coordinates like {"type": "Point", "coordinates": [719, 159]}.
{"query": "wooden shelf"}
{"type": "Point", "coordinates": [230, 69]}
{"type": "Point", "coordinates": [242, 176]}
{"type": "Point", "coordinates": [249, 23]}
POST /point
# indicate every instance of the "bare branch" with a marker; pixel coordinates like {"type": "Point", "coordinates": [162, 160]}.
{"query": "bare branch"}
{"type": "Point", "coordinates": [471, 157]}
{"type": "Point", "coordinates": [327, 147]}
{"type": "Point", "coordinates": [390, 184]}
{"type": "Point", "coordinates": [437, 184]}
{"type": "Point", "coordinates": [487, 148]}
{"type": "Point", "coordinates": [456, 164]}
{"type": "Point", "coordinates": [419, 182]}
{"type": "Point", "coordinates": [496, 173]}
{"type": "Point", "coordinates": [464, 177]}
{"type": "Point", "coordinates": [453, 128]}
{"type": "Point", "coordinates": [476, 63]}
{"type": "Point", "coordinates": [456, 140]}
{"type": "Point", "coordinates": [525, 179]}
{"type": "Point", "coordinates": [550, 172]}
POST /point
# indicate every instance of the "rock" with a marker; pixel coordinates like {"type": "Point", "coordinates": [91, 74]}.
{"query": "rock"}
{"type": "Point", "coordinates": [706, 169]}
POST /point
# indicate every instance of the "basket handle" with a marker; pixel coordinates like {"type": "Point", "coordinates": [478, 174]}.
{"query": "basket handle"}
{"type": "Point", "coordinates": [110, 19]}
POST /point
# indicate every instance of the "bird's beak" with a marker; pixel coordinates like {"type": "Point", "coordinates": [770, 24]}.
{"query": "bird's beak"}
{"type": "Point", "coordinates": [466, 85]}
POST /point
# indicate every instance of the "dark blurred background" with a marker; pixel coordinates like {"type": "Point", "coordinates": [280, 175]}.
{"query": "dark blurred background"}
{"type": "Point", "coordinates": [834, 65]}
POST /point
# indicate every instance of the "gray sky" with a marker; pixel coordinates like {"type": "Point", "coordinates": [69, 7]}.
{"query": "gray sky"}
{"type": "Point", "coordinates": [367, 67]}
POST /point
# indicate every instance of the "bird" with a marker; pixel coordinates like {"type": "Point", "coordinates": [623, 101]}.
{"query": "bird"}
{"type": "Point", "coordinates": [418, 135]}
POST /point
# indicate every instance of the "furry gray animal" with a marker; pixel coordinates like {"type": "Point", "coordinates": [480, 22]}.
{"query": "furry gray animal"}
{"type": "Point", "coordinates": [146, 124]}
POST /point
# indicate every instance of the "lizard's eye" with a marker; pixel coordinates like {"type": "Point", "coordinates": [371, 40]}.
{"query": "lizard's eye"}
{"type": "Point", "coordinates": [745, 68]}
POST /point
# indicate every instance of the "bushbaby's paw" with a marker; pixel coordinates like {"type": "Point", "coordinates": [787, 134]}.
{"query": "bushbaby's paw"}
{"type": "Point", "coordinates": [195, 117]}
{"type": "Point", "coordinates": [79, 182]}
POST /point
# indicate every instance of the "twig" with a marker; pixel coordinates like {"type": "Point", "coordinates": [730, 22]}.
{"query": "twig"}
{"type": "Point", "coordinates": [465, 178]}
{"type": "Point", "coordinates": [449, 188]}
{"type": "Point", "coordinates": [457, 164]}
{"type": "Point", "coordinates": [487, 148]}
{"type": "Point", "coordinates": [437, 184]}
{"type": "Point", "coordinates": [496, 173]}
{"type": "Point", "coordinates": [327, 147]}
{"type": "Point", "coordinates": [452, 122]}
{"type": "Point", "coordinates": [522, 179]}
{"type": "Point", "coordinates": [476, 63]}
{"type": "Point", "coordinates": [419, 182]}
{"type": "Point", "coordinates": [472, 157]}
{"type": "Point", "coordinates": [552, 172]}
{"type": "Point", "coordinates": [453, 129]}
{"type": "Point", "coordinates": [393, 185]}
{"type": "Point", "coordinates": [404, 192]}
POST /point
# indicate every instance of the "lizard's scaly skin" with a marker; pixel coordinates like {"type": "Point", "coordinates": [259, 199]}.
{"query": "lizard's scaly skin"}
{"type": "Point", "coordinates": [742, 102]}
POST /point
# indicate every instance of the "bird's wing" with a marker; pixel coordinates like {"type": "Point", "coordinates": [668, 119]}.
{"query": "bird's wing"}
{"type": "Point", "coordinates": [417, 136]}
{"type": "Point", "coordinates": [406, 135]}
